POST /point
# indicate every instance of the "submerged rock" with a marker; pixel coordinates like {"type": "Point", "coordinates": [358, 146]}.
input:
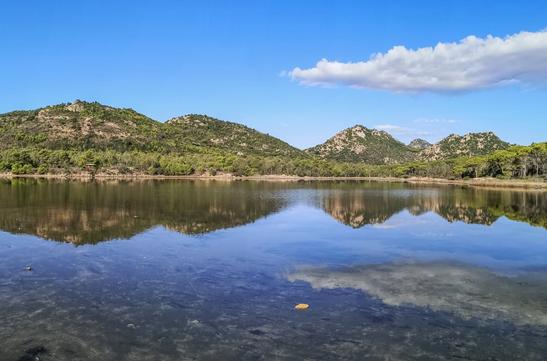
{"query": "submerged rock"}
{"type": "Point", "coordinates": [33, 354]}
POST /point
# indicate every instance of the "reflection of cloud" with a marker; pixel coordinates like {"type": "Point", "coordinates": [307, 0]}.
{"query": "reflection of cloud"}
{"type": "Point", "coordinates": [466, 290]}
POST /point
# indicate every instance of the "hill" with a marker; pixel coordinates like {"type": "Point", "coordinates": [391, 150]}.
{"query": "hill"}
{"type": "Point", "coordinates": [471, 144]}
{"type": "Point", "coordinates": [91, 139]}
{"type": "Point", "coordinates": [202, 130]}
{"type": "Point", "coordinates": [361, 144]}
{"type": "Point", "coordinates": [85, 125]}
{"type": "Point", "coordinates": [79, 125]}
{"type": "Point", "coordinates": [419, 144]}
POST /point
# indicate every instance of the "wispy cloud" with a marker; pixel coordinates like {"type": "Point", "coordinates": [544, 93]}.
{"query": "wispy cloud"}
{"type": "Point", "coordinates": [398, 130]}
{"type": "Point", "coordinates": [472, 63]}
{"type": "Point", "coordinates": [436, 121]}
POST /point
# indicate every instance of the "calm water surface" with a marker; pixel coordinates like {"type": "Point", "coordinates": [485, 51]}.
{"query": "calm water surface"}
{"type": "Point", "coordinates": [211, 270]}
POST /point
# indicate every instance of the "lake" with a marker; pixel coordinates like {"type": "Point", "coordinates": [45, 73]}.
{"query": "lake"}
{"type": "Point", "coordinates": [212, 270]}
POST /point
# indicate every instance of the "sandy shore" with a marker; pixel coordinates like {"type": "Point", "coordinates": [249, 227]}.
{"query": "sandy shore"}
{"type": "Point", "coordinates": [477, 182]}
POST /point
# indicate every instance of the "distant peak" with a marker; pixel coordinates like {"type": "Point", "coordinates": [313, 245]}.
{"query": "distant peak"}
{"type": "Point", "coordinates": [76, 106]}
{"type": "Point", "coordinates": [419, 143]}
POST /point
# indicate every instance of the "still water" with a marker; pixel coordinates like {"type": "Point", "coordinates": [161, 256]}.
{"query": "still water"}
{"type": "Point", "coordinates": [211, 270]}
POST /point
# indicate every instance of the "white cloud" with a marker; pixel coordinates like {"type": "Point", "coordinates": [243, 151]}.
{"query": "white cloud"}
{"type": "Point", "coordinates": [472, 63]}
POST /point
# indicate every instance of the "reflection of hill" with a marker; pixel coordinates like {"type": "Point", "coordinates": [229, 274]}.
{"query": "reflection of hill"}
{"type": "Point", "coordinates": [358, 207]}
{"type": "Point", "coordinates": [364, 204]}
{"type": "Point", "coordinates": [93, 212]}
{"type": "Point", "coordinates": [80, 212]}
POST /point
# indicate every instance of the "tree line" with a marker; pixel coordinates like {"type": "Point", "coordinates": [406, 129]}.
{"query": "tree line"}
{"type": "Point", "coordinates": [515, 162]}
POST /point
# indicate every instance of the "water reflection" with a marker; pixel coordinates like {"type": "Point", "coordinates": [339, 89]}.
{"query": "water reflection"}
{"type": "Point", "coordinates": [422, 284]}
{"type": "Point", "coordinates": [374, 204]}
{"type": "Point", "coordinates": [83, 213]}
{"type": "Point", "coordinates": [92, 212]}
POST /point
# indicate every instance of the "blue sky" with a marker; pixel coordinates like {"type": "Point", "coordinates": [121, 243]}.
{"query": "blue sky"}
{"type": "Point", "coordinates": [236, 60]}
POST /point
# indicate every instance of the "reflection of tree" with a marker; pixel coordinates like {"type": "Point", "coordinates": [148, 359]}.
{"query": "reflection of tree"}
{"type": "Point", "coordinates": [357, 206]}
{"type": "Point", "coordinates": [80, 212]}
{"type": "Point", "coordinates": [93, 212]}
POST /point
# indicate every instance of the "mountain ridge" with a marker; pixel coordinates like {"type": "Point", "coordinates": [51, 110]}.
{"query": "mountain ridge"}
{"type": "Point", "coordinates": [91, 125]}
{"type": "Point", "coordinates": [373, 146]}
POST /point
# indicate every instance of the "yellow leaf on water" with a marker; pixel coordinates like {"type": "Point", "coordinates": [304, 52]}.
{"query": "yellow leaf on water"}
{"type": "Point", "coordinates": [302, 306]}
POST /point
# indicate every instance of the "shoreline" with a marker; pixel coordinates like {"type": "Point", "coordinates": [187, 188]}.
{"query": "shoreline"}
{"type": "Point", "coordinates": [474, 182]}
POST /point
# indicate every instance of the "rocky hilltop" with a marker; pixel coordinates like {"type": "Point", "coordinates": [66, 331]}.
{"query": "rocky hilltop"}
{"type": "Point", "coordinates": [372, 146]}
{"type": "Point", "coordinates": [419, 144]}
{"type": "Point", "coordinates": [361, 144]}
{"type": "Point", "coordinates": [468, 145]}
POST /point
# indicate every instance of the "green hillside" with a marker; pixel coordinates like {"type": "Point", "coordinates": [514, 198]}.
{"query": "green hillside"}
{"type": "Point", "coordinates": [202, 130]}
{"type": "Point", "coordinates": [79, 125]}
{"type": "Point", "coordinates": [84, 125]}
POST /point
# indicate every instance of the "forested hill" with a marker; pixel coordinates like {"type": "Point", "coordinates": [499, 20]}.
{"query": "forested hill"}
{"type": "Point", "coordinates": [91, 138]}
{"type": "Point", "coordinates": [203, 130]}
{"type": "Point", "coordinates": [84, 125]}
{"type": "Point", "coordinates": [79, 125]}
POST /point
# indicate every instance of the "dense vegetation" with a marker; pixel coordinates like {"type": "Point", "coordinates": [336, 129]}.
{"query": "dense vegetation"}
{"type": "Point", "coordinates": [209, 132]}
{"type": "Point", "coordinates": [515, 162]}
{"type": "Point", "coordinates": [92, 138]}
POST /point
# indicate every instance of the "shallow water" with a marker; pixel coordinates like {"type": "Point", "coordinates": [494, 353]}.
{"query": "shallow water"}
{"type": "Point", "coordinates": [211, 270]}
